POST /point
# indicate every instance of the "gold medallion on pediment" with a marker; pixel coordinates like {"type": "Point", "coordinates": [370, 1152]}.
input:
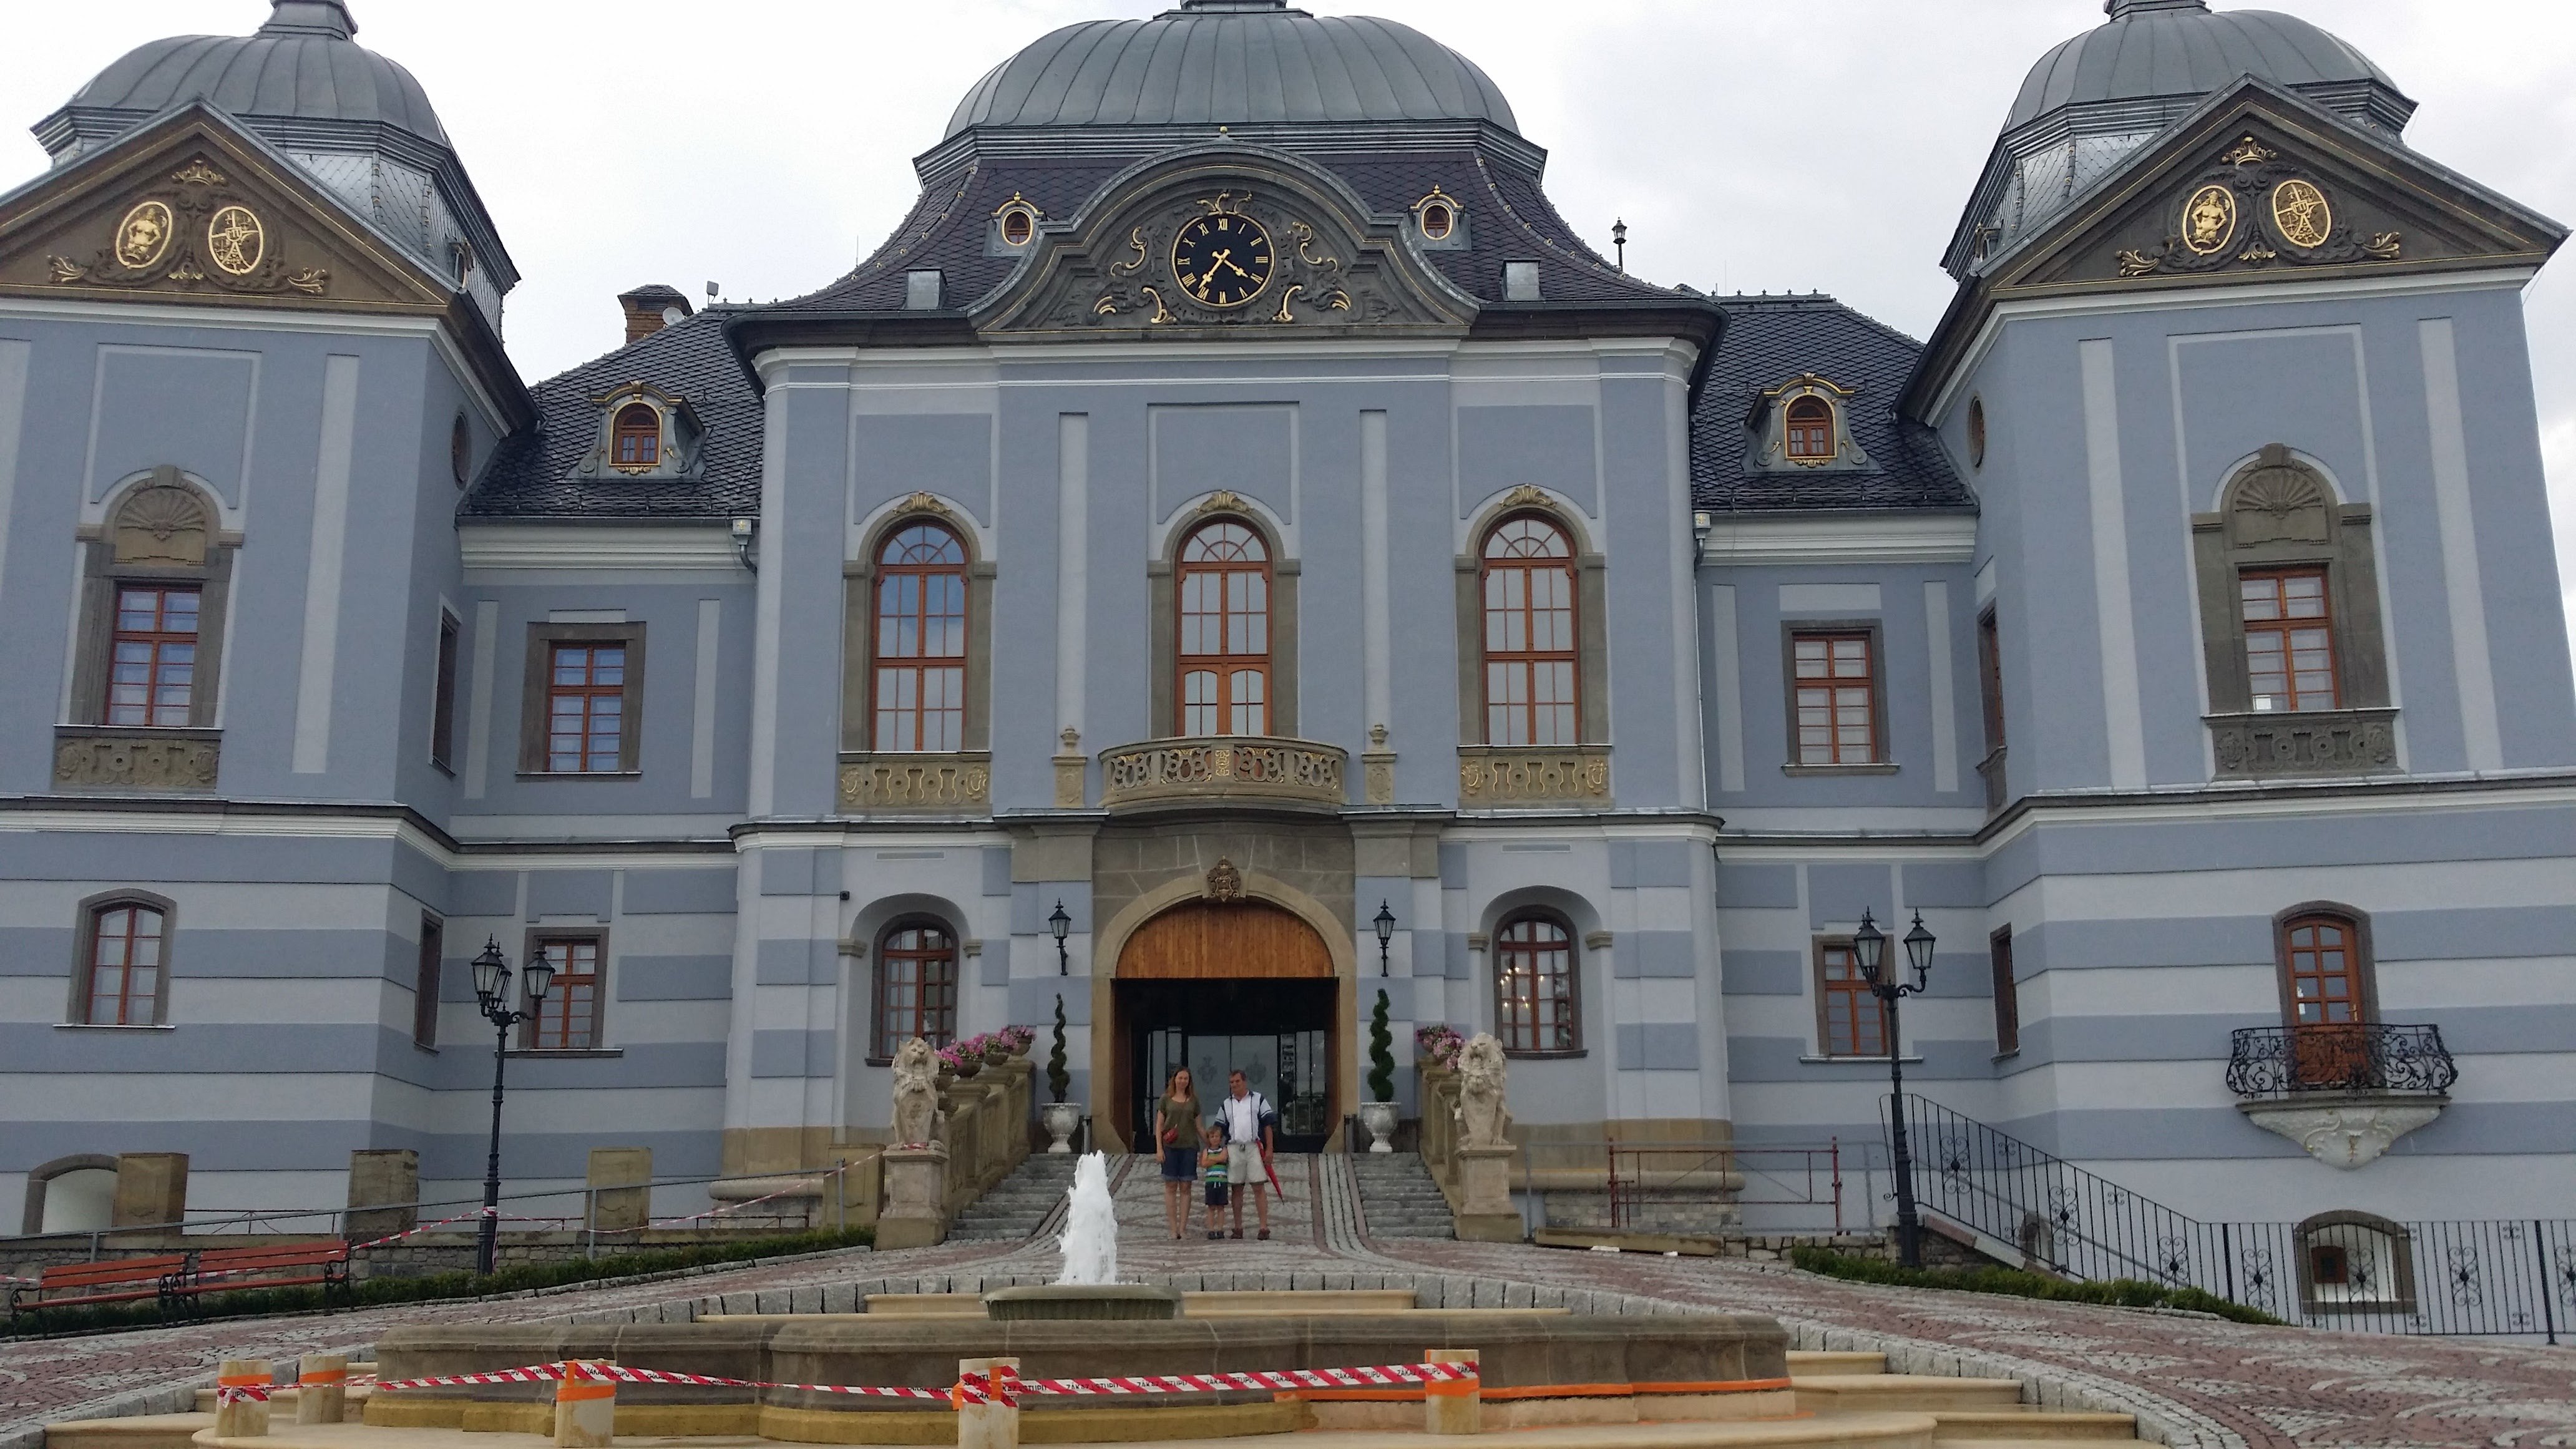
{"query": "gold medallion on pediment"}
{"type": "Point", "coordinates": [235, 240]}
{"type": "Point", "coordinates": [143, 237]}
{"type": "Point", "coordinates": [2209, 219]}
{"type": "Point", "coordinates": [2301, 214]}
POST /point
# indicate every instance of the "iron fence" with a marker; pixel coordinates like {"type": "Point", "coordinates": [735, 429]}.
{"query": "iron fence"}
{"type": "Point", "coordinates": [2342, 1270]}
{"type": "Point", "coordinates": [1652, 1183]}
{"type": "Point", "coordinates": [2272, 1062]}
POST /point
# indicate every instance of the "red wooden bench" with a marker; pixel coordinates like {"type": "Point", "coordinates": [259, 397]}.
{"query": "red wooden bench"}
{"type": "Point", "coordinates": [116, 1280]}
{"type": "Point", "coordinates": [270, 1265]}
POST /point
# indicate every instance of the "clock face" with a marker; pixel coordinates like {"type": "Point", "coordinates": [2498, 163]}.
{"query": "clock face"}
{"type": "Point", "coordinates": [1222, 261]}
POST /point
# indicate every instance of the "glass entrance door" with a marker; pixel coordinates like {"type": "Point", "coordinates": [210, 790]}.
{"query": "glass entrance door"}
{"type": "Point", "coordinates": [1201, 1025]}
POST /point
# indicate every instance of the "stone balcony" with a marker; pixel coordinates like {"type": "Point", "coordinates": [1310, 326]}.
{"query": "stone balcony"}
{"type": "Point", "coordinates": [1224, 770]}
{"type": "Point", "coordinates": [2343, 1091]}
{"type": "Point", "coordinates": [2267, 745]}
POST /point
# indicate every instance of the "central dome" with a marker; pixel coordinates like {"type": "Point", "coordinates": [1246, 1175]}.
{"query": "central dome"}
{"type": "Point", "coordinates": [1232, 62]}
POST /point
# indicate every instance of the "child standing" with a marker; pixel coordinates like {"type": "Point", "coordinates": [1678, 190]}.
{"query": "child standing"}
{"type": "Point", "coordinates": [1212, 1157]}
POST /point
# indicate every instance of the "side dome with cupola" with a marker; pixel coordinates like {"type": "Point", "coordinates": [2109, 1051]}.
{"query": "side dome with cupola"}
{"type": "Point", "coordinates": [357, 122]}
{"type": "Point", "coordinates": [2096, 99]}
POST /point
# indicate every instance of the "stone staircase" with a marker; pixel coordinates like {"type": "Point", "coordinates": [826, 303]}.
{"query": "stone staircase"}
{"type": "Point", "coordinates": [1019, 1205]}
{"type": "Point", "coordinates": [1398, 1199]}
{"type": "Point", "coordinates": [1966, 1413]}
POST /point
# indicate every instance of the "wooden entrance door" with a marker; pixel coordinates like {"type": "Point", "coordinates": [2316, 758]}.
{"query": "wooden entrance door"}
{"type": "Point", "coordinates": [1239, 940]}
{"type": "Point", "coordinates": [1240, 968]}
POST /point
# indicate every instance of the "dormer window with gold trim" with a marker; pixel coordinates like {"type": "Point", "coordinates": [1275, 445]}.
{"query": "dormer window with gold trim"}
{"type": "Point", "coordinates": [1808, 435]}
{"type": "Point", "coordinates": [1805, 423]}
{"type": "Point", "coordinates": [643, 432]}
{"type": "Point", "coordinates": [1015, 223]}
{"type": "Point", "coordinates": [1439, 222]}
{"type": "Point", "coordinates": [637, 444]}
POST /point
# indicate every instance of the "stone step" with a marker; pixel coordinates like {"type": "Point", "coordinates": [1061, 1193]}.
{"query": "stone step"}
{"type": "Point", "coordinates": [143, 1431]}
{"type": "Point", "coordinates": [1982, 1427]}
{"type": "Point", "coordinates": [1901, 1393]}
{"type": "Point", "coordinates": [1398, 1199]}
{"type": "Point", "coordinates": [1820, 1361]}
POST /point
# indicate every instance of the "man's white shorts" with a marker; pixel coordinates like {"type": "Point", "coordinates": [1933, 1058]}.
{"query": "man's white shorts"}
{"type": "Point", "coordinates": [1243, 1168]}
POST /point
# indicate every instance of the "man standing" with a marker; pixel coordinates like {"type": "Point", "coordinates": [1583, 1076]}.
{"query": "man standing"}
{"type": "Point", "coordinates": [1247, 1148]}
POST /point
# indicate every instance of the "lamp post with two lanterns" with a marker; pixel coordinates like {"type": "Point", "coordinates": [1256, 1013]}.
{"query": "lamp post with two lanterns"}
{"type": "Point", "coordinates": [1869, 944]}
{"type": "Point", "coordinates": [492, 994]}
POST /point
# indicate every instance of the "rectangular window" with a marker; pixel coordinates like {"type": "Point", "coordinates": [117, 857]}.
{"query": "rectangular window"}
{"type": "Point", "coordinates": [568, 1019]}
{"type": "Point", "coordinates": [583, 700]}
{"type": "Point", "coordinates": [152, 661]}
{"type": "Point", "coordinates": [442, 711]}
{"type": "Point", "coordinates": [1990, 680]}
{"type": "Point", "coordinates": [424, 985]}
{"type": "Point", "coordinates": [1850, 1020]}
{"type": "Point", "coordinates": [1835, 698]}
{"type": "Point", "coordinates": [2007, 993]}
{"type": "Point", "coordinates": [2289, 639]}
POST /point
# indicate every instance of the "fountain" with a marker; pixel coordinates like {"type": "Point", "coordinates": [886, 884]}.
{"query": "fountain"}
{"type": "Point", "coordinates": [1088, 1286]}
{"type": "Point", "coordinates": [1090, 1241]}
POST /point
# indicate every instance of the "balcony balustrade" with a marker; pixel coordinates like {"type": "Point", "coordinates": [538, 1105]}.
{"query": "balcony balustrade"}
{"type": "Point", "coordinates": [1229, 769]}
{"type": "Point", "coordinates": [2343, 1091]}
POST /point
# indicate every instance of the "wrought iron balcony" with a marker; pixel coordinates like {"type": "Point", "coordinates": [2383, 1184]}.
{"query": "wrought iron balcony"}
{"type": "Point", "coordinates": [2284, 1063]}
{"type": "Point", "coordinates": [1231, 769]}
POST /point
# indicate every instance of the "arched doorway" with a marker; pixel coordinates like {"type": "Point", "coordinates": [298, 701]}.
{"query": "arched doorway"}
{"type": "Point", "coordinates": [1227, 985]}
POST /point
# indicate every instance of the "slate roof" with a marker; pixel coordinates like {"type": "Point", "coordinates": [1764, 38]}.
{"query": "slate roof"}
{"type": "Point", "coordinates": [302, 65]}
{"type": "Point", "coordinates": [531, 474]}
{"type": "Point", "coordinates": [2181, 49]}
{"type": "Point", "coordinates": [1768, 341]}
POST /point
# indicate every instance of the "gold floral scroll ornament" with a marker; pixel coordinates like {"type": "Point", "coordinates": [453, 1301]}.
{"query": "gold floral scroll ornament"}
{"type": "Point", "coordinates": [2300, 212]}
{"type": "Point", "coordinates": [236, 240]}
{"type": "Point", "coordinates": [2209, 219]}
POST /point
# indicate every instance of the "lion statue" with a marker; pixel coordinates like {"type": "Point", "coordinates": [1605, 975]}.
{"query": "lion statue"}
{"type": "Point", "coordinates": [1483, 1121]}
{"type": "Point", "coordinates": [916, 1094]}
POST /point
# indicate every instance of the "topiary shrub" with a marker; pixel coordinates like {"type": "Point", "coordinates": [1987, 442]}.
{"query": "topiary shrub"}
{"type": "Point", "coordinates": [1059, 1080]}
{"type": "Point", "coordinates": [1381, 1075]}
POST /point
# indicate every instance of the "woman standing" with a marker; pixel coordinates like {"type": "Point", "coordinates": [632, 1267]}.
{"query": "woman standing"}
{"type": "Point", "coordinates": [1176, 1134]}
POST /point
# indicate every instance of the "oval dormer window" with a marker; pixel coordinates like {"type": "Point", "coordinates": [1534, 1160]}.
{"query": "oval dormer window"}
{"type": "Point", "coordinates": [1017, 227]}
{"type": "Point", "coordinates": [1810, 431]}
{"type": "Point", "coordinates": [638, 437]}
{"type": "Point", "coordinates": [1438, 221]}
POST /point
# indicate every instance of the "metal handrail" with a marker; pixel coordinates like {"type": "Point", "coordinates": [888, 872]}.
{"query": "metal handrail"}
{"type": "Point", "coordinates": [2268, 1062]}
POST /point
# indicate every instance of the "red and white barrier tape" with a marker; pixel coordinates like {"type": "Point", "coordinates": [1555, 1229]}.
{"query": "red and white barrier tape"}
{"type": "Point", "coordinates": [241, 1394]}
{"type": "Point", "coordinates": [1002, 1386]}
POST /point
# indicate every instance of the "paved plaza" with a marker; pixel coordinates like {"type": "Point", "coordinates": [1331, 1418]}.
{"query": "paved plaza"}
{"type": "Point", "coordinates": [2192, 1380]}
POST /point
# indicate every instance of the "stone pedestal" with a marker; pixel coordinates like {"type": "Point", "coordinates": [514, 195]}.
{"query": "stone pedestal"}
{"type": "Point", "coordinates": [151, 1189]}
{"type": "Point", "coordinates": [1485, 1212]}
{"type": "Point", "coordinates": [384, 1192]}
{"type": "Point", "coordinates": [244, 1417]}
{"type": "Point", "coordinates": [620, 1196]}
{"type": "Point", "coordinates": [322, 1388]}
{"type": "Point", "coordinates": [585, 1409]}
{"type": "Point", "coordinates": [991, 1425]}
{"type": "Point", "coordinates": [1452, 1406]}
{"type": "Point", "coordinates": [915, 1214]}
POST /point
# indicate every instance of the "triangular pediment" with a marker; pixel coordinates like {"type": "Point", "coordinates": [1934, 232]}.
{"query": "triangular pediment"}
{"type": "Point", "coordinates": [1224, 242]}
{"type": "Point", "coordinates": [2261, 185]}
{"type": "Point", "coordinates": [189, 209]}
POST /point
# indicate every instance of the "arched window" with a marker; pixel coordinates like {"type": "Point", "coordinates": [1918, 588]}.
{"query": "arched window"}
{"type": "Point", "coordinates": [916, 986]}
{"type": "Point", "coordinates": [637, 441]}
{"type": "Point", "coordinates": [2326, 996]}
{"type": "Point", "coordinates": [1530, 651]}
{"type": "Point", "coordinates": [919, 692]}
{"type": "Point", "coordinates": [1225, 631]}
{"type": "Point", "coordinates": [1810, 430]}
{"type": "Point", "coordinates": [1535, 992]}
{"type": "Point", "coordinates": [122, 964]}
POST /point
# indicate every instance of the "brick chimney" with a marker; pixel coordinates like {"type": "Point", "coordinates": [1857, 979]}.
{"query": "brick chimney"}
{"type": "Point", "coordinates": [650, 309]}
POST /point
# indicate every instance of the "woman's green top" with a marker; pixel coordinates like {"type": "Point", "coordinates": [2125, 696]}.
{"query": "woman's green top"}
{"type": "Point", "coordinates": [1181, 1117]}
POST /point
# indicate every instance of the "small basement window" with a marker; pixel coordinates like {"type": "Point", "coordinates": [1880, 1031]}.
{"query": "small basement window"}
{"type": "Point", "coordinates": [637, 443]}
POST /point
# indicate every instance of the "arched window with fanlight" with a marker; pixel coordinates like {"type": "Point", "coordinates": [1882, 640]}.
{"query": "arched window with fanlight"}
{"type": "Point", "coordinates": [1531, 655]}
{"type": "Point", "coordinates": [2328, 998]}
{"type": "Point", "coordinates": [636, 437]}
{"type": "Point", "coordinates": [1808, 431]}
{"type": "Point", "coordinates": [918, 693]}
{"type": "Point", "coordinates": [1224, 616]}
{"type": "Point", "coordinates": [1537, 997]}
{"type": "Point", "coordinates": [916, 986]}
{"type": "Point", "coordinates": [123, 959]}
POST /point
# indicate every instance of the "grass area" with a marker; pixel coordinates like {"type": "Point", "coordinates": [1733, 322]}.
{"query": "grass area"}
{"type": "Point", "coordinates": [372, 1292]}
{"type": "Point", "coordinates": [2012, 1282]}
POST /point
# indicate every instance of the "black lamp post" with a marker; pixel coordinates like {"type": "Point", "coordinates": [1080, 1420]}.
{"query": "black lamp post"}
{"type": "Point", "coordinates": [1869, 943]}
{"type": "Point", "coordinates": [1385, 923]}
{"type": "Point", "coordinates": [492, 993]}
{"type": "Point", "coordinates": [1060, 925]}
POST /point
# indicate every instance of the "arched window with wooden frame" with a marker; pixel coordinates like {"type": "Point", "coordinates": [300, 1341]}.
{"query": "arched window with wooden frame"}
{"type": "Point", "coordinates": [918, 693]}
{"type": "Point", "coordinates": [155, 586]}
{"type": "Point", "coordinates": [1808, 430]}
{"type": "Point", "coordinates": [2328, 994]}
{"type": "Point", "coordinates": [123, 977]}
{"type": "Point", "coordinates": [636, 438]}
{"type": "Point", "coordinates": [1224, 652]}
{"type": "Point", "coordinates": [916, 986]}
{"type": "Point", "coordinates": [1538, 992]}
{"type": "Point", "coordinates": [1532, 654]}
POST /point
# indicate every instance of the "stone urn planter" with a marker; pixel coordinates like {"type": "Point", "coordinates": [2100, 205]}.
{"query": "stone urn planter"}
{"type": "Point", "coordinates": [1379, 1119]}
{"type": "Point", "coordinates": [996, 1054]}
{"type": "Point", "coordinates": [1060, 1119]}
{"type": "Point", "coordinates": [967, 1067]}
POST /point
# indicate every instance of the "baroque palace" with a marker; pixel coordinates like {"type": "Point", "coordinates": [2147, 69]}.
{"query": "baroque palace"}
{"type": "Point", "coordinates": [1235, 551]}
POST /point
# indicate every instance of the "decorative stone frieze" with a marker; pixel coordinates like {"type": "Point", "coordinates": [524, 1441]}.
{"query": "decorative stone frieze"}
{"type": "Point", "coordinates": [2305, 742]}
{"type": "Point", "coordinates": [114, 759]}
{"type": "Point", "coordinates": [1377, 769]}
{"type": "Point", "coordinates": [1576, 775]}
{"type": "Point", "coordinates": [1248, 769]}
{"type": "Point", "coordinates": [2345, 1131]}
{"type": "Point", "coordinates": [1070, 766]}
{"type": "Point", "coordinates": [950, 783]}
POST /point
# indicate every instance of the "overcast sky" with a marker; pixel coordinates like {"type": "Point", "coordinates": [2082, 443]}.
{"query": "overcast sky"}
{"type": "Point", "coordinates": [1750, 145]}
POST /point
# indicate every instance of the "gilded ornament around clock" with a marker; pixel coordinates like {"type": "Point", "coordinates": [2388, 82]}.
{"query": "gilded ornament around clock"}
{"type": "Point", "coordinates": [235, 240]}
{"type": "Point", "coordinates": [143, 237]}
{"type": "Point", "coordinates": [1222, 260]}
{"type": "Point", "coordinates": [2209, 219]}
{"type": "Point", "coordinates": [2300, 212]}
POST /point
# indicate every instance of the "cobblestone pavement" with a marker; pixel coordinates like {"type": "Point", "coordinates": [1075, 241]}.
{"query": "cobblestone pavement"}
{"type": "Point", "coordinates": [2193, 1381]}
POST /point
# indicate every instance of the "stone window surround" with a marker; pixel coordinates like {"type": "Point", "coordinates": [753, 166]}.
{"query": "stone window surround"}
{"type": "Point", "coordinates": [526, 1031]}
{"type": "Point", "coordinates": [1875, 628]}
{"type": "Point", "coordinates": [2365, 958]}
{"type": "Point", "coordinates": [85, 946]}
{"type": "Point", "coordinates": [959, 949]}
{"type": "Point", "coordinates": [534, 695]}
{"type": "Point", "coordinates": [32, 1221]}
{"type": "Point", "coordinates": [859, 638]}
{"type": "Point", "coordinates": [100, 575]}
{"type": "Point", "coordinates": [1591, 624]}
{"type": "Point", "coordinates": [1163, 584]}
{"type": "Point", "coordinates": [427, 973]}
{"type": "Point", "coordinates": [445, 660]}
